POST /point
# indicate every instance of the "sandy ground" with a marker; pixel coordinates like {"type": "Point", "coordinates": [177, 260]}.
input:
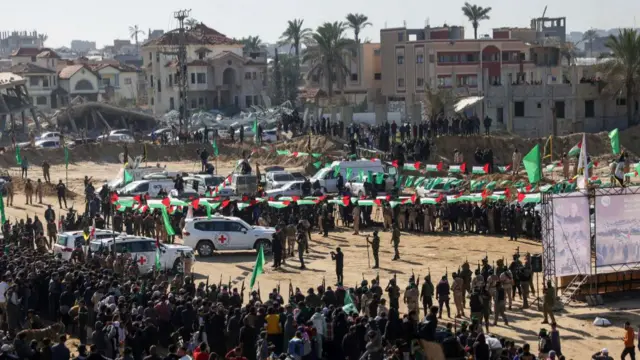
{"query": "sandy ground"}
{"type": "Point", "coordinates": [420, 254]}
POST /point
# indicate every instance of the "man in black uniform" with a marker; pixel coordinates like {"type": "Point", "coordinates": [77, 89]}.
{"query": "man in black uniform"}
{"type": "Point", "coordinates": [276, 246]}
{"type": "Point", "coordinates": [338, 257]}
{"type": "Point", "coordinates": [375, 247]}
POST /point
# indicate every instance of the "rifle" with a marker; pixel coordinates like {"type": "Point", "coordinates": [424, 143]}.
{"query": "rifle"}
{"type": "Point", "coordinates": [278, 288]}
{"type": "Point", "coordinates": [368, 256]}
{"type": "Point", "coordinates": [242, 291]}
{"type": "Point", "coordinates": [259, 296]}
{"type": "Point", "coordinates": [291, 292]}
{"type": "Point", "coordinates": [206, 287]}
{"type": "Point", "coordinates": [229, 284]}
{"type": "Point", "coordinates": [378, 277]}
{"type": "Point", "coordinates": [220, 283]}
{"type": "Point", "coordinates": [323, 283]}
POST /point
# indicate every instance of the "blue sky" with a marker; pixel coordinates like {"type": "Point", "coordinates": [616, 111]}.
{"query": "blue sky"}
{"type": "Point", "coordinates": [104, 21]}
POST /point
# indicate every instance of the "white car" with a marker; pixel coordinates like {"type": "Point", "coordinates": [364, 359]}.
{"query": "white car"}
{"type": "Point", "coordinates": [143, 250]}
{"type": "Point", "coordinates": [293, 188]}
{"type": "Point", "coordinates": [276, 179]}
{"type": "Point", "coordinates": [224, 233]}
{"type": "Point", "coordinates": [121, 138]}
{"type": "Point", "coordinates": [51, 135]}
{"type": "Point", "coordinates": [270, 136]}
{"type": "Point", "coordinates": [70, 240]}
{"type": "Point", "coordinates": [47, 144]}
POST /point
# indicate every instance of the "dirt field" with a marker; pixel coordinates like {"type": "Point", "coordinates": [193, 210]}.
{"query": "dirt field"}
{"type": "Point", "coordinates": [420, 254]}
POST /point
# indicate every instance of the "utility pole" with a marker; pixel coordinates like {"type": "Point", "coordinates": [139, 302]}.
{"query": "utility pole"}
{"type": "Point", "coordinates": [182, 74]}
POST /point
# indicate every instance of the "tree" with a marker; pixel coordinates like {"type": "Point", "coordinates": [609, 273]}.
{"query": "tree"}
{"type": "Point", "coordinates": [251, 43]}
{"type": "Point", "coordinates": [357, 22]}
{"type": "Point", "coordinates": [191, 22]}
{"type": "Point", "coordinates": [475, 14]}
{"type": "Point", "coordinates": [42, 38]}
{"type": "Point", "coordinates": [325, 54]}
{"type": "Point", "coordinates": [295, 35]}
{"type": "Point", "coordinates": [134, 31]}
{"type": "Point", "coordinates": [438, 101]}
{"type": "Point", "coordinates": [622, 71]}
{"type": "Point", "coordinates": [588, 37]}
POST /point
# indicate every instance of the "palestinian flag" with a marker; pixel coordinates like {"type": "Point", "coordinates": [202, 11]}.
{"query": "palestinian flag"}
{"type": "Point", "coordinates": [480, 170]}
{"type": "Point", "coordinates": [435, 167]}
{"type": "Point", "coordinates": [575, 151]}
{"type": "Point", "coordinates": [458, 168]}
{"type": "Point", "coordinates": [529, 198]}
{"type": "Point", "coordinates": [157, 262]}
{"type": "Point", "coordinates": [504, 169]}
{"type": "Point", "coordinates": [414, 166]}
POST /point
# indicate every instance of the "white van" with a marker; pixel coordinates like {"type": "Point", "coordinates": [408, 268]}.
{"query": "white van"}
{"type": "Point", "coordinates": [328, 181]}
{"type": "Point", "coordinates": [141, 187]}
{"type": "Point", "coordinates": [70, 240]}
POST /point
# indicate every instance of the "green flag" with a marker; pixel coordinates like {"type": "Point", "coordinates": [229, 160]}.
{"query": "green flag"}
{"type": "Point", "coordinates": [317, 164]}
{"type": "Point", "coordinates": [336, 170]}
{"type": "Point", "coordinates": [167, 222]}
{"type": "Point", "coordinates": [533, 165]}
{"type": "Point", "coordinates": [349, 307]}
{"type": "Point", "coordinates": [18, 157]}
{"type": "Point", "coordinates": [158, 264]}
{"type": "Point", "coordinates": [127, 177]}
{"type": "Point", "coordinates": [255, 131]}
{"type": "Point", "coordinates": [66, 157]}
{"type": "Point", "coordinates": [379, 178]}
{"type": "Point", "coordinates": [348, 174]}
{"type": "Point", "coordinates": [2, 209]}
{"type": "Point", "coordinates": [614, 136]}
{"type": "Point", "coordinates": [258, 268]}
{"type": "Point", "coordinates": [215, 147]}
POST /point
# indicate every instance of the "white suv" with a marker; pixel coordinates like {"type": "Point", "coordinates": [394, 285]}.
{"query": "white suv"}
{"type": "Point", "coordinates": [224, 233]}
{"type": "Point", "coordinates": [71, 240]}
{"type": "Point", "coordinates": [143, 249]}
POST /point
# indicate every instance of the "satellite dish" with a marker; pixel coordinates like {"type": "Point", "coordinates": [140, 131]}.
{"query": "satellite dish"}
{"type": "Point", "coordinates": [129, 160]}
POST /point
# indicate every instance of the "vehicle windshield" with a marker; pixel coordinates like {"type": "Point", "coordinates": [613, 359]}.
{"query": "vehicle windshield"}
{"type": "Point", "coordinates": [322, 173]}
{"type": "Point", "coordinates": [283, 177]}
{"type": "Point", "coordinates": [130, 187]}
{"type": "Point", "coordinates": [213, 180]}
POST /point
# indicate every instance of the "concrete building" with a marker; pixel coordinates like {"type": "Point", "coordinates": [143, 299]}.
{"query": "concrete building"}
{"type": "Point", "coordinates": [38, 66]}
{"type": "Point", "coordinates": [82, 46]}
{"type": "Point", "coordinates": [559, 109]}
{"type": "Point", "coordinates": [364, 80]}
{"type": "Point", "coordinates": [219, 76]}
{"type": "Point", "coordinates": [11, 41]}
{"type": "Point", "coordinates": [15, 99]}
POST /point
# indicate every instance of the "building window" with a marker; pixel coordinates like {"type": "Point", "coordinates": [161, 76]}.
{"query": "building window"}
{"type": "Point", "coordinates": [41, 100]}
{"type": "Point", "coordinates": [419, 82]}
{"type": "Point", "coordinates": [559, 108]}
{"type": "Point", "coordinates": [172, 104]}
{"type": "Point", "coordinates": [254, 75]}
{"type": "Point", "coordinates": [194, 103]}
{"type": "Point", "coordinates": [420, 59]}
{"type": "Point", "coordinates": [468, 80]}
{"type": "Point", "coordinates": [400, 82]}
{"type": "Point", "coordinates": [170, 80]}
{"type": "Point", "coordinates": [34, 81]}
{"type": "Point", "coordinates": [200, 102]}
{"type": "Point", "coordinates": [201, 55]}
{"type": "Point", "coordinates": [444, 81]}
{"type": "Point", "coordinates": [247, 76]}
{"type": "Point", "coordinates": [400, 59]}
{"type": "Point", "coordinates": [157, 57]}
{"type": "Point", "coordinates": [152, 102]}
{"type": "Point", "coordinates": [54, 81]}
{"type": "Point", "coordinates": [621, 102]}
{"type": "Point", "coordinates": [354, 77]}
{"type": "Point", "coordinates": [151, 56]}
{"type": "Point", "coordinates": [256, 100]}
{"type": "Point", "coordinates": [159, 85]}
{"type": "Point", "coordinates": [202, 78]}
{"type": "Point", "coordinates": [106, 82]}
{"type": "Point", "coordinates": [505, 56]}
{"type": "Point", "coordinates": [248, 100]}
{"type": "Point", "coordinates": [400, 37]}
{"type": "Point", "coordinates": [127, 81]}
{"type": "Point", "coordinates": [518, 108]}
{"type": "Point", "coordinates": [500, 115]}
{"type": "Point", "coordinates": [377, 76]}
{"type": "Point", "coordinates": [376, 52]}
{"type": "Point", "coordinates": [151, 81]}
{"type": "Point", "coordinates": [193, 78]}
{"type": "Point", "coordinates": [589, 109]}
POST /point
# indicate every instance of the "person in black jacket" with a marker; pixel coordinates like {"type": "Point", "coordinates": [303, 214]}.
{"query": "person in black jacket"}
{"type": "Point", "coordinates": [350, 344]}
{"type": "Point", "coordinates": [480, 348]}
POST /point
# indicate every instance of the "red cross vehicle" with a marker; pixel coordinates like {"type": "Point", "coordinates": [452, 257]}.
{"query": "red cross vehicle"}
{"type": "Point", "coordinates": [143, 251]}
{"type": "Point", "coordinates": [206, 235]}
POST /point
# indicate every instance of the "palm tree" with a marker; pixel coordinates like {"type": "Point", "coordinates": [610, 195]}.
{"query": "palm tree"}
{"type": "Point", "coordinates": [475, 14]}
{"type": "Point", "coordinates": [134, 31]}
{"type": "Point", "coordinates": [622, 71]}
{"type": "Point", "coordinates": [357, 22]}
{"type": "Point", "coordinates": [588, 37]}
{"type": "Point", "coordinates": [325, 54]}
{"type": "Point", "coordinates": [42, 38]}
{"type": "Point", "coordinates": [191, 22]}
{"type": "Point", "coordinates": [295, 35]}
{"type": "Point", "coordinates": [251, 43]}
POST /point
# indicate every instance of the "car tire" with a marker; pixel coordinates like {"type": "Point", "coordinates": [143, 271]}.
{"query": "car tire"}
{"type": "Point", "coordinates": [205, 248]}
{"type": "Point", "coordinates": [178, 267]}
{"type": "Point", "coordinates": [266, 246]}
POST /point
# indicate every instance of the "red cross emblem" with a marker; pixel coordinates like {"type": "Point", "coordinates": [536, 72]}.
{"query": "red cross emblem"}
{"type": "Point", "coordinates": [222, 239]}
{"type": "Point", "coordinates": [142, 260]}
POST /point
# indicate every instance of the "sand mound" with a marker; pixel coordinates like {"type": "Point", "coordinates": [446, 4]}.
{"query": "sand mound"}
{"type": "Point", "coordinates": [598, 145]}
